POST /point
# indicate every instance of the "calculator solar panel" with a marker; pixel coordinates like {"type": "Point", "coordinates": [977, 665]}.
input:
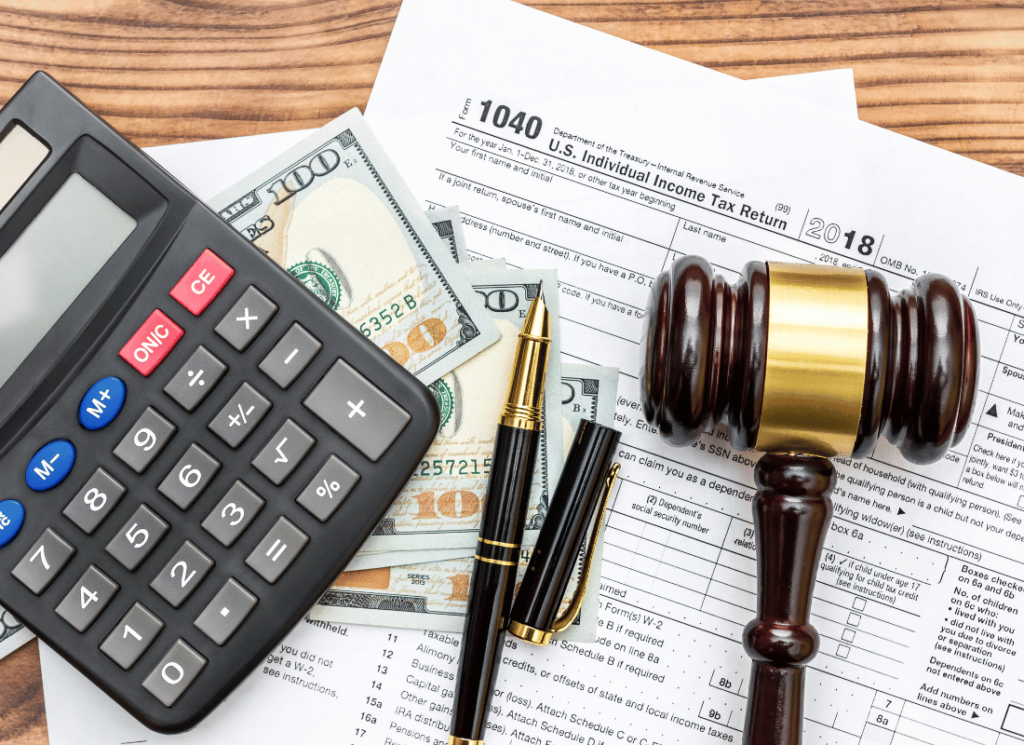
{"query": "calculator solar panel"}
{"type": "Point", "coordinates": [192, 445]}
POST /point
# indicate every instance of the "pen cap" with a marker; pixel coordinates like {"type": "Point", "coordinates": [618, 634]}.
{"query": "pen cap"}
{"type": "Point", "coordinates": [585, 482]}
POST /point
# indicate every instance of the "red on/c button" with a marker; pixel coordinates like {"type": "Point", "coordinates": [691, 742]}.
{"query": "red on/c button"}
{"type": "Point", "coordinates": [151, 343]}
{"type": "Point", "coordinates": [202, 282]}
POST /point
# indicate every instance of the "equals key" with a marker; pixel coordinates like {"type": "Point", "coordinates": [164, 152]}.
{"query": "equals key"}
{"type": "Point", "coordinates": [290, 356]}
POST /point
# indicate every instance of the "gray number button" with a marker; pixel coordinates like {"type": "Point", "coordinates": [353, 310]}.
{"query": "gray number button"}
{"type": "Point", "coordinates": [246, 319]}
{"type": "Point", "coordinates": [285, 450]}
{"type": "Point", "coordinates": [328, 489]}
{"type": "Point", "coordinates": [226, 612]}
{"type": "Point", "coordinates": [354, 408]}
{"type": "Point", "coordinates": [174, 673]}
{"type": "Point", "coordinates": [132, 636]}
{"type": "Point", "coordinates": [290, 356]}
{"type": "Point", "coordinates": [189, 477]}
{"type": "Point", "coordinates": [137, 538]}
{"type": "Point", "coordinates": [43, 562]}
{"type": "Point", "coordinates": [240, 415]}
{"type": "Point", "coordinates": [94, 501]}
{"type": "Point", "coordinates": [88, 598]}
{"type": "Point", "coordinates": [196, 379]}
{"type": "Point", "coordinates": [277, 550]}
{"type": "Point", "coordinates": [145, 440]}
{"type": "Point", "coordinates": [233, 514]}
{"type": "Point", "coordinates": [183, 574]}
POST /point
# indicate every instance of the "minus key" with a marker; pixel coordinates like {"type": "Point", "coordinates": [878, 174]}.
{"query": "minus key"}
{"type": "Point", "coordinates": [290, 356]}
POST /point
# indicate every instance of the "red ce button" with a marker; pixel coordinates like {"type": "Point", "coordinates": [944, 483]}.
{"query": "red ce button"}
{"type": "Point", "coordinates": [202, 282]}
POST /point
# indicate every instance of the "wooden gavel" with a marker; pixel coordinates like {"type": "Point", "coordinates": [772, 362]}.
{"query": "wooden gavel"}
{"type": "Point", "coordinates": [804, 363]}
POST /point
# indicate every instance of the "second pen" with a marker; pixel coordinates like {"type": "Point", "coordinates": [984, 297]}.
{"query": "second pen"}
{"type": "Point", "coordinates": [497, 557]}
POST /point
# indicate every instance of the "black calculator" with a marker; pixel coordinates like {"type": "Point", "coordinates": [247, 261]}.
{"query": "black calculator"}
{"type": "Point", "coordinates": [192, 446]}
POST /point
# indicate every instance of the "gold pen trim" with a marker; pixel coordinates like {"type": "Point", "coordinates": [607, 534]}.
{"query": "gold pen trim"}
{"type": "Point", "coordinates": [496, 561]}
{"type": "Point", "coordinates": [453, 740]}
{"type": "Point", "coordinates": [525, 396]}
{"type": "Point", "coordinates": [529, 633]}
{"type": "Point", "coordinates": [498, 543]}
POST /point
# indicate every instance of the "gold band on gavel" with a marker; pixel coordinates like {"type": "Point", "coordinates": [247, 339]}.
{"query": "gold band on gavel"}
{"type": "Point", "coordinates": [815, 363]}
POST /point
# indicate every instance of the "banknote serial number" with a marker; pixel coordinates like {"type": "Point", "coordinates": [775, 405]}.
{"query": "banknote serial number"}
{"type": "Point", "coordinates": [386, 316]}
{"type": "Point", "coordinates": [455, 467]}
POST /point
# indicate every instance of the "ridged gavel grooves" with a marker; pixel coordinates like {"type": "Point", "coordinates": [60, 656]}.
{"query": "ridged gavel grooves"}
{"type": "Point", "coordinates": [704, 364]}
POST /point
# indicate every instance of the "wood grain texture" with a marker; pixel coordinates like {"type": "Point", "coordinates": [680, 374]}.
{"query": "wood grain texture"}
{"type": "Point", "coordinates": [22, 715]}
{"type": "Point", "coordinates": [162, 71]}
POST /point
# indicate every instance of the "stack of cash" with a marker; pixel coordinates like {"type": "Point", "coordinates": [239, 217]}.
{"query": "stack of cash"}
{"type": "Point", "coordinates": [335, 213]}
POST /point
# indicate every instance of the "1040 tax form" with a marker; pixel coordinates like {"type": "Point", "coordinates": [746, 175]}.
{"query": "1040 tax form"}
{"type": "Point", "coordinates": [562, 150]}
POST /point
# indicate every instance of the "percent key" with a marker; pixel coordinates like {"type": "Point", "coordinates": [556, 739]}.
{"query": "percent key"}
{"type": "Point", "coordinates": [327, 490]}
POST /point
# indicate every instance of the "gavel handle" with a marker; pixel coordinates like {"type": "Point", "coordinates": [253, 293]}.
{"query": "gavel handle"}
{"type": "Point", "coordinates": [792, 511]}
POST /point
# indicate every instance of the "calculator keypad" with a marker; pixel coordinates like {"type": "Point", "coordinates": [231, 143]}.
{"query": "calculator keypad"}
{"type": "Point", "coordinates": [284, 452]}
{"type": "Point", "coordinates": [43, 562]}
{"type": "Point", "coordinates": [145, 440]}
{"type": "Point", "coordinates": [240, 415]}
{"type": "Point", "coordinates": [196, 379]}
{"type": "Point", "coordinates": [246, 319]}
{"type": "Point", "coordinates": [189, 477]}
{"type": "Point", "coordinates": [278, 549]}
{"type": "Point", "coordinates": [355, 408]}
{"type": "Point", "coordinates": [87, 599]}
{"type": "Point", "coordinates": [156, 629]}
{"type": "Point", "coordinates": [174, 673]}
{"type": "Point", "coordinates": [183, 574]}
{"type": "Point", "coordinates": [132, 636]}
{"type": "Point", "coordinates": [233, 514]}
{"type": "Point", "coordinates": [94, 501]}
{"type": "Point", "coordinates": [137, 538]}
{"type": "Point", "coordinates": [290, 356]}
{"type": "Point", "coordinates": [226, 611]}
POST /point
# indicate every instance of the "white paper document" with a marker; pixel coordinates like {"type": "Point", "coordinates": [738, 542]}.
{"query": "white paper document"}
{"type": "Point", "coordinates": [606, 172]}
{"type": "Point", "coordinates": [351, 684]}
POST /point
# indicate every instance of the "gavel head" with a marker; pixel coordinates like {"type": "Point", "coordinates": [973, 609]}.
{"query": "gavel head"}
{"type": "Point", "coordinates": [808, 359]}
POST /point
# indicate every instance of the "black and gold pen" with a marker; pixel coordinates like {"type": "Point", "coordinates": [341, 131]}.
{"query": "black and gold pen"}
{"type": "Point", "coordinates": [508, 489]}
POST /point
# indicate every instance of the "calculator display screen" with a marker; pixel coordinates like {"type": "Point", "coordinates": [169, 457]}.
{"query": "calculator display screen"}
{"type": "Point", "coordinates": [51, 262]}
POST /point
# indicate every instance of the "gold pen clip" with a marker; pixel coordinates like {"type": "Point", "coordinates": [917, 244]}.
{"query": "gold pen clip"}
{"type": "Point", "coordinates": [576, 604]}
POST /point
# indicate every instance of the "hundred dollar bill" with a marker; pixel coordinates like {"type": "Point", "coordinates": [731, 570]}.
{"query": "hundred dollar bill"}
{"type": "Point", "coordinates": [441, 505]}
{"type": "Point", "coordinates": [588, 392]}
{"type": "Point", "coordinates": [377, 559]}
{"type": "Point", "coordinates": [12, 634]}
{"type": "Point", "coordinates": [433, 595]}
{"type": "Point", "coordinates": [447, 221]}
{"type": "Point", "coordinates": [334, 212]}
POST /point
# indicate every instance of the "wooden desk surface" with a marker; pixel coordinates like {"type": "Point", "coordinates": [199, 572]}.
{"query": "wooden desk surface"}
{"type": "Point", "coordinates": [951, 74]}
